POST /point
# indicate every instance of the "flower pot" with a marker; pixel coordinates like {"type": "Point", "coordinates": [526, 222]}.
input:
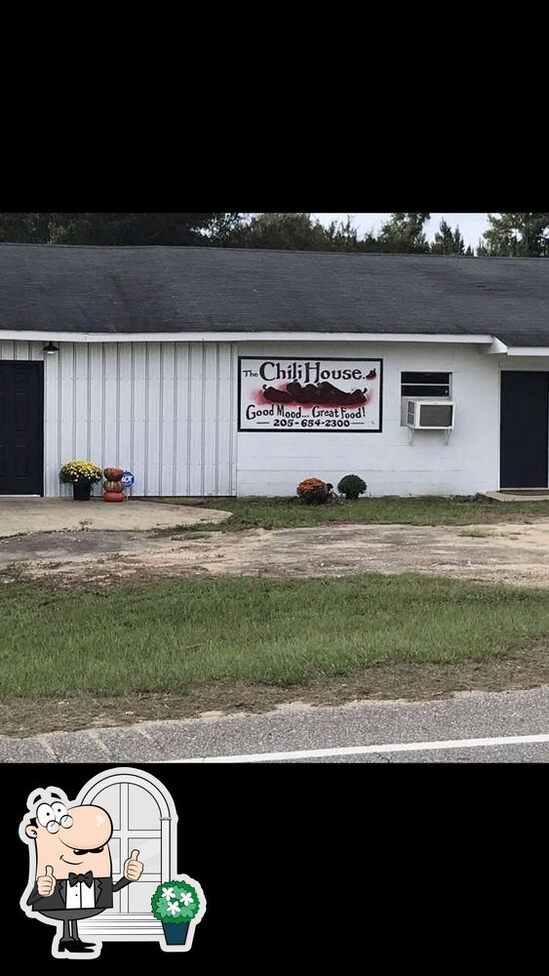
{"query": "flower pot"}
{"type": "Point", "coordinates": [175, 933]}
{"type": "Point", "coordinates": [81, 491]}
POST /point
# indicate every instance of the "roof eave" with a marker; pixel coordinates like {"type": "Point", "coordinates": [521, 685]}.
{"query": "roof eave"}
{"type": "Point", "coordinates": [270, 336]}
{"type": "Point", "coordinates": [530, 351]}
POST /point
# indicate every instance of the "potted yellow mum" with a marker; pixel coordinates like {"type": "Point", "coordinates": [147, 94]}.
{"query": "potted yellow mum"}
{"type": "Point", "coordinates": [81, 475]}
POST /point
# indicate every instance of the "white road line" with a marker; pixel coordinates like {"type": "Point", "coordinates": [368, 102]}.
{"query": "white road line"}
{"type": "Point", "coordinates": [509, 740]}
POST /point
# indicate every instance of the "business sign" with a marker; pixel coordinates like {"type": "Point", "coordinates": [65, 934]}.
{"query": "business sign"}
{"type": "Point", "coordinates": [308, 395]}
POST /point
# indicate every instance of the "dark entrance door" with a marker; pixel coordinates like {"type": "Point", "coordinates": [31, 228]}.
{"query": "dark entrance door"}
{"type": "Point", "coordinates": [21, 428]}
{"type": "Point", "coordinates": [524, 430]}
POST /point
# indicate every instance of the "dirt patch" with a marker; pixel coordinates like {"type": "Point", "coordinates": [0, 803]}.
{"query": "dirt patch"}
{"type": "Point", "coordinates": [523, 669]}
{"type": "Point", "coordinates": [517, 554]}
{"type": "Point", "coordinates": [82, 542]}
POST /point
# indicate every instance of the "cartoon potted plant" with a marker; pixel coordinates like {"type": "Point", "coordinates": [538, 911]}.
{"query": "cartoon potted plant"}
{"type": "Point", "coordinates": [176, 904]}
{"type": "Point", "coordinates": [81, 475]}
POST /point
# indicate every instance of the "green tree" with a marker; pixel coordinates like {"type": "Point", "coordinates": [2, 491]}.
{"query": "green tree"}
{"type": "Point", "coordinates": [404, 234]}
{"type": "Point", "coordinates": [516, 235]}
{"type": "Point", "coordinates": [342, 236]}
{"type": "Point", "coordinates": [299, 232]}
{"type": "Point", "coordinates": [280, 231]}
{"type": "Point", "coordinates": [447, 241]}
{"type": "Point", "coordinates": [116, 228]}
{"type": "Point", "coordinates": [31, 228]}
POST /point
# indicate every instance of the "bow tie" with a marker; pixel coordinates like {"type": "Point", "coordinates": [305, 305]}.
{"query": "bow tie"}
{"type": "Point", "coordinates": [86, 879]}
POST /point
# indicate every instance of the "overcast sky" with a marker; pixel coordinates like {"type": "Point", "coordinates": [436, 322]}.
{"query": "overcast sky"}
{"type": "Point", "coordinates": [471, 225]}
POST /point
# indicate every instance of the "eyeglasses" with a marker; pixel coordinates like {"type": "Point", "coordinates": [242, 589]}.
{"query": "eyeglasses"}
{"type": "Point", "coordinates": [53, 826]}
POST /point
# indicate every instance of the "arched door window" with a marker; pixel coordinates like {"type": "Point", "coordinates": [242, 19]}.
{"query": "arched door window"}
{"type": "Point", "coordinates": [144, 817]}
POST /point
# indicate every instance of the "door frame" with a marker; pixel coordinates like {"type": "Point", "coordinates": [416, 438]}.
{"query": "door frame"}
{"type": "Point", "coordinates": [39, 365]}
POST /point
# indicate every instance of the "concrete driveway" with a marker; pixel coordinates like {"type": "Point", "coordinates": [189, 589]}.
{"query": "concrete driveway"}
{"type": "Point", "coordinates": [24, 515]}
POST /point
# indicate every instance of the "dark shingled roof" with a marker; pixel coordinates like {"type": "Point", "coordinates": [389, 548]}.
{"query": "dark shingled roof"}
{"type": "Point", "coordinates": [51, 288]}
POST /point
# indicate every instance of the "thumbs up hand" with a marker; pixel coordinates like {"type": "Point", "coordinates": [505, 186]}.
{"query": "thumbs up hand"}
{"type": "Point", "coordinates": [133, 869]}
{"type": "Point", "coordinates": [46, 883]}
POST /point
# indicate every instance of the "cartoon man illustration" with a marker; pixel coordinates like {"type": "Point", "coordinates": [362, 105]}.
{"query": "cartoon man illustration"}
{"type": "Point", "coordinates": [72, 865]}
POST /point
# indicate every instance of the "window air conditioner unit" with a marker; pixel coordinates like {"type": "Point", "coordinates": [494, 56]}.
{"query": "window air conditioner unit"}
{"type": "Point", "coordinates": [430, 414]}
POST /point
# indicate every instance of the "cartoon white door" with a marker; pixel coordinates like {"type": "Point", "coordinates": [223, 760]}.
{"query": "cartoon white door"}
{"type": "Point", "coordinates": [144, 819]}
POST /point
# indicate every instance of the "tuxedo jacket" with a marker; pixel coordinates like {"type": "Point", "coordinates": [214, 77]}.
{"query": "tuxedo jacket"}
{"type": "Point", "coordinates": [104, 889]}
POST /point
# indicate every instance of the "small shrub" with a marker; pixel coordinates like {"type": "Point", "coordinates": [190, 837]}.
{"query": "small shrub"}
{"type": "Point", "coordinates": [352, 486]}
{"type": "Point", "coordinates": [313, 491]}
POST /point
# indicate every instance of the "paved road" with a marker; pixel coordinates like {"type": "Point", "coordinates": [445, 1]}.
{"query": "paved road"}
{"type": "Point", "coordinates": [471, 727]}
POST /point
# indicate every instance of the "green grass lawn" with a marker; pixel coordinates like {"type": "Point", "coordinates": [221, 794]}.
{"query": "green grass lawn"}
{"type": "Point", "coordinates": [168, 636]}
{"type": "Point", "coordinates": [281, 513]}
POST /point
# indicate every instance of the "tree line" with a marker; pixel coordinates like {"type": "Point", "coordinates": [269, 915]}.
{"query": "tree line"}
{"type": "Point", "coordinates": [508, 234]}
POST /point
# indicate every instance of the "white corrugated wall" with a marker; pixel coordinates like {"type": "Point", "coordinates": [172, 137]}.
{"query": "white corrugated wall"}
{"type": "Point", "coordinates": [391, 462]}
{"type": "Point", "coordinates": [163, 410]}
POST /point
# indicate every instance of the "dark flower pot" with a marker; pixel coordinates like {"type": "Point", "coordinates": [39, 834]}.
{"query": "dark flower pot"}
{"type": "Point", "coordinates": [81, 491]}
{"type": "Point", "coordinates": [175, 933]}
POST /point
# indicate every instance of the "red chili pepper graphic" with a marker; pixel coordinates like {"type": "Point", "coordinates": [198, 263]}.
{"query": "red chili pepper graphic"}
{"type": "Point", "coordinates": [371, 375]}
{"type": "Point", "coordinates": [329, 393]}
{"type": "Point", "coordinates": [276, 396]}
{"type": "Point", "coordinates": [324, 393]}
{"type": "Point", "coordinates": [303, 394]}
{"type": "Point", "coordinates": [356, 397]}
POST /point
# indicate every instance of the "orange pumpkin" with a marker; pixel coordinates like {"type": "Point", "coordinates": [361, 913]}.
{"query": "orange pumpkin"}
{"type": "Point", "coordinates": [113, 496]}
{"type": "Point", "coordinates": [113, 474]}
{"type": "Point", "coordinates": [112, 485]}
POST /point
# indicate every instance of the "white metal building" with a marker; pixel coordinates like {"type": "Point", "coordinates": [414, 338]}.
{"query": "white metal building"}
{"type": "Point", "coordinates": [238, 372]}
